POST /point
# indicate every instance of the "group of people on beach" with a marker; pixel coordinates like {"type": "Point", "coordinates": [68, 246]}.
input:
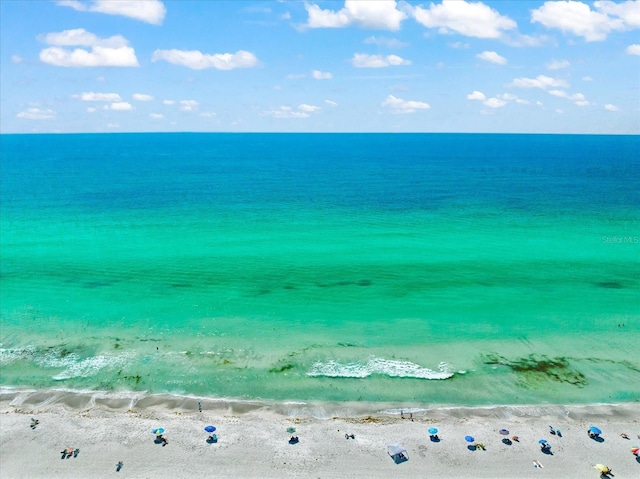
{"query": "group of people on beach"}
{"type": "Point", "coordinates": [69, 452]}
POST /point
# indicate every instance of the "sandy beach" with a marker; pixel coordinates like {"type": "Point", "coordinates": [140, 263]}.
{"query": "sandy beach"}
{"type": "Point", "coordinates": [253, 440]}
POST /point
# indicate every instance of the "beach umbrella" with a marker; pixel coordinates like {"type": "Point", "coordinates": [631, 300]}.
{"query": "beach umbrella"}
{"type": "Point", "coordinates": [595, 430]}
{"type": "Point", "coordinates": [504, 432]}
{"type": "Point", "coordinates": [433, 430]}
{"type": "Point", "coordinates": [542, 441]}
{"type": "Point", "coordinates": [601, 468]}
{"type": "Point", "coordinates": [635, 450]}
{"type": "Point", "coordinates": [209, 428]}
{"type": "Point", "coordinates": [469, 438]}
{"type": "Point", "coordinates": [291, 430]}
{"type": "Point", "coordinates": [158, 431]}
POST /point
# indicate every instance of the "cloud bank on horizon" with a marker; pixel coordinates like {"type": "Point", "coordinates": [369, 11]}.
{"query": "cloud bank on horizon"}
{"type": "Point", "coordinates": [558, 66]}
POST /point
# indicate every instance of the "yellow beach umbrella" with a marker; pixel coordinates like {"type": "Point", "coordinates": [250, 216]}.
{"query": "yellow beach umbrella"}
{"type": "Point", "coordinates": [601, 468]}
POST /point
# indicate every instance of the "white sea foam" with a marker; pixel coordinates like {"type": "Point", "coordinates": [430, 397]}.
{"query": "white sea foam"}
{"type": "Point", "coordinates": [10, 355]}
{"type": "Point", "coordinates": [72, 365]}
{"type": "Point", "coordinates": [76, 367]}
{"type": "Point", "coordinates": [378, 366]}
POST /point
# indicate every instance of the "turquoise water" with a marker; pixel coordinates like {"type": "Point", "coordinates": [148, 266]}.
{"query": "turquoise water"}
{"type": "Point", "coordinates": [443, 269]}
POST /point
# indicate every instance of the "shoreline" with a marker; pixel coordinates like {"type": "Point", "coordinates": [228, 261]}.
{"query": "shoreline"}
{"type": "Point", "coordinates": [35, 400]}
{"type": "Point", "coordinates": [253, 439]}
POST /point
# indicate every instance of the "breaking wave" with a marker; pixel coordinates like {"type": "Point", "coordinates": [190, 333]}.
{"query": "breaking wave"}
{"type": "Point", "coordinates": [69, 365]}
{"type": "Point", "coordinates": [378, 366]}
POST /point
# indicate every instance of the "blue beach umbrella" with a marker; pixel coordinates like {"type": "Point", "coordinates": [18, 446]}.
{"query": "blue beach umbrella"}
{"type": "Point", "coordinates": [158, 431]}
{"type": "Point", "coordinates": [469, 438]}
{"type": "Point", "coordinates": [209, 428]}
{"type": "Point", "coordinates": [542, 441]}
{"type": "Point", "coordinates": [504, 432]}
{"type": "Point", "coordinates": [595, 430]}
{"type": "Point", "coordinates": [433, 430]}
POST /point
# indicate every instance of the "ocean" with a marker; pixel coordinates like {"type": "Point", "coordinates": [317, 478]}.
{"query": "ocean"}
{"type": "Point", "coordinates": [437, 269]}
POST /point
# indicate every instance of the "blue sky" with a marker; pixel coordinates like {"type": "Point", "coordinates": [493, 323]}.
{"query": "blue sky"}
{"type": "Point", "coordinates": [320, 66]}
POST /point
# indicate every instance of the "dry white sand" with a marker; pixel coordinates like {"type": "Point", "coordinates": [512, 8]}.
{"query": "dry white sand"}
{"type": "Point", "coordinates": [253, 442]}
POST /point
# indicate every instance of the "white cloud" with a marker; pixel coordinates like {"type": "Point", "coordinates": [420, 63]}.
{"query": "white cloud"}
{"type": "Point", "coordinates": [142, 97]}
{"type": "Point", "coordinates": [286, 112]}
{"type": "Point", "coordinates": [476, 95]}
{"type": "Point", "coordinates": [514, 98]}
{"type": "Point", "coordinates": [207, 114]}
{"type": "Point", "coordinates": [149, 11]}
{"type": "Point", "coordinates": [156, 116]}
{"type": "Point", "coordinates": [587, 78]}
{"type": "Point", "coordinates": [633, 49]}
{"type": "Point", "coordinates": [308, 108]}
{"type": "Point", "coordinates": [189, 105]}
{"type": "Point", "coordinates": [611, 107]}
{"type": "Point", "coordinates": [168, 102]}
{"type": "Point", "coordinates": [578, 98]}
{"type": "Point", "coordinates": [559, 93]}
{"type": "Point", "coordinates": [105, 52]}
{"type": "Point", "coordinates": [197, 60]}
{"type": "Point", "coordinates": [578, 19]}
{"type": "Point", "coordinates": [558, 64]}
{"type": "Point", "coordinates": [385, 42]}
{"type": "Point", "coordinates": [541, 81]}
{"type": "Point", "coordinates": [16, 59]}
{"type": "Point", "coordinates": [91, 109]}
{"type": "Point", "coordinates": [118, 106]}
{"type": "Point", "coordinates": [113, 125]}
{"type": "Point", "coordinates": [93, 96]}
{"type": "Point", "coordinates": [37, 114]}
{"type": "Point", "coordinates": [363, 60]}
{"type": "Point", "coordinates": [628, 12]}
{"type": "Point", "coordinates": [375, 14]}
{"type": "Point", "coordinates": [466, 18]}
{"type": "Point", "coordinates": [398, 105]}
{"type": "Point", "coordinates": [495, 103]}
{"type": "Point", "coordinates": [331, 103]}
{"type": "Point", "coordinates": [459, 45]}
{"type": "Point", "coordinates": [318, 75]}
{"type": "Point", "coordinates": [98, 57]}
{"type": "Point", "coordinates": [492, 57]}
{"type": "Point", "coordinates": [81, 37]}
